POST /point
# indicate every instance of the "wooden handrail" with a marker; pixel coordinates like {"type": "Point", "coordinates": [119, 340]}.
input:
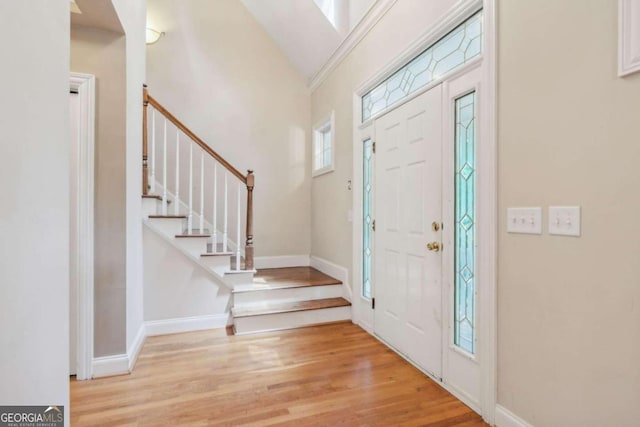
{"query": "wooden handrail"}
{"type": "Point", "coordinates": [248, 180]}
{"type": "Point", "coordinates": [145, 163]}
{"type": "Point", "coordinates": [160, 108]}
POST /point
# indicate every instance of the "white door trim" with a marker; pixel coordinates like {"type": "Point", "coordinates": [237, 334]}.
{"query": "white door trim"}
{"type": "Point", "coordinates": [487, 186]}
{"type": "Point", "coordinates": [628, 45]}
{"type": "Point", "coordinates": [84, 85]}
{"type": "Point", "coordinates": [488, 218]}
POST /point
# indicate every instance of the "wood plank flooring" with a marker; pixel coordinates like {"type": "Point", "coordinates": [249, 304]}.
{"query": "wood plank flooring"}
{"type": "Point", "coordinates": [318, 376]}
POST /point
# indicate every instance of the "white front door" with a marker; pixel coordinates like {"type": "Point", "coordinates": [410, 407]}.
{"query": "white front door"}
{"type": "Point", "coordinates": [408, 176]}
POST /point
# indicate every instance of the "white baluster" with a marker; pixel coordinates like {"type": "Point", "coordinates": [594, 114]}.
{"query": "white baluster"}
{"type": "Point", "coordinates": [153, 151]}
{"type": "Point", "coordinates": [164, 171]}
{"type": "Point", "coordinates": [224, 229]}
{"type": "Point", "coordinates": [238, 230]}
{"type": "Point", "coordinates": [214, 224]}
{"type": "Point", "coordinates": [190, 219]}
{"type": "Point", "coordinates": [202, 192]}
{"type": "Point", "coordinates": [176, 207]}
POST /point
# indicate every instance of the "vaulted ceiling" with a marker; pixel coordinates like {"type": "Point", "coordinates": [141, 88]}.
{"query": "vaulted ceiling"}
{"type": "Point", "coordinates": [303, 32]}
{"type": "Point", "coordinates": [97, 14]}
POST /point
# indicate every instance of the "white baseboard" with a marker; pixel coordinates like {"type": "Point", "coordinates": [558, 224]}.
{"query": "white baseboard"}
{"type": "Point", "coordinates": [186, 324]}
{"type": "Point", "coordinates": [281, 261]}
{"type": "Point", "coordinates": [107, 366]}
{"type": "Point", "coordinates": [333, 270]}
{"type": "Point", "coordinates": [506, 418]}
{"type": "Point", "coordinates": [136, 346]}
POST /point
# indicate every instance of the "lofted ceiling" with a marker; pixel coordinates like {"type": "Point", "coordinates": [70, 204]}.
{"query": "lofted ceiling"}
{"type": "Point", "coordinates": [303, 32]}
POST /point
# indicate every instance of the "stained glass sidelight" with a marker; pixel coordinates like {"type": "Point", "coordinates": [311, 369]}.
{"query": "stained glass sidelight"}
{"type": "Point", "coordinates": [456, 48]}
{"type": "Point", "coordinates": [465, 222]}
{"type": "Point", "coordinates": [367, 218]}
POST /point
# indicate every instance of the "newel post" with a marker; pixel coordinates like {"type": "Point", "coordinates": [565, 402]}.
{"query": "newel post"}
{"type": "Point", "coordinates": [145, 165]}
{"type": "Point", "coordinates": [248, 249]}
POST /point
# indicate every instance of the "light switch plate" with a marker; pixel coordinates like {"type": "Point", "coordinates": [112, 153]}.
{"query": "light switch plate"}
{"type": "Point", "coordinates": [524, 220]}
{"type": "Point", "coordinates": [564, 220]}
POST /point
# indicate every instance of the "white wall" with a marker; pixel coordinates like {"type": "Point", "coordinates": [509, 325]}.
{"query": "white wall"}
{"type": "Point", "coordinates": [102, 53]}
{"type": "Point", "coordinates": [569, 321]}
{"type": "Point", "coordinates": [34, 219]}
{"type": "Point", "coordinates": [133, 16]}
{"type": "Point", "coordinates": [219, 72]}
{"type": "Point", "coordinates": [175, 287]}
{"type": "Point", "coordinates": [331, 232]}
{"type": "Point", "coordinates": [117, 61]}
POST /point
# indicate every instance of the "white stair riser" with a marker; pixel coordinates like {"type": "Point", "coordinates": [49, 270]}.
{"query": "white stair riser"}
{"type": "Point", "coordinates": [195, 246]}
{"type": "Point", "coordinates": [296, 319]}
{"type": "Point", "coordinates": [169, 226]}
{"type": "Point", "coordinates": [261, 297]}
{"type": "Point", "coordinates": [150, 207]}
{"type": "Point", "coordinates": [216, 261]}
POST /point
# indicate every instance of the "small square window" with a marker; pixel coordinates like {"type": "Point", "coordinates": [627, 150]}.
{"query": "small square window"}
{"type": "Point", "coordinates": [323, 150]}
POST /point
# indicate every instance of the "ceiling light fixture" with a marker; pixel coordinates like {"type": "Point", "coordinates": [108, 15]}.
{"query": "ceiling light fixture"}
{"type": "Point", "coordinates": [73, 6]}
{"type": "Point", "coordinates": [153, 35]}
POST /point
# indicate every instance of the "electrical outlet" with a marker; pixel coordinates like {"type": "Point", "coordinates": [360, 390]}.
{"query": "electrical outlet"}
{"type": "Point", "coordinates": [524, 220]}
{"type": "Point", "coordinates": [564, 220]}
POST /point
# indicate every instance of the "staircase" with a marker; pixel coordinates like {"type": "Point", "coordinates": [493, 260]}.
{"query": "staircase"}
{"type": "Point", "coordinates": [265, 300]}
{"type": "Point", "coordinates": [284, 298]}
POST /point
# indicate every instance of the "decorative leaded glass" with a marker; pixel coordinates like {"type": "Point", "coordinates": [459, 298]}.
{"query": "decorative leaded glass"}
{"type": "Point", "coordinates": [465, 222]}
{"type": "Point", "coordinates": [456, 48]}
{"type": "Point", "coordinates": [367, 217]}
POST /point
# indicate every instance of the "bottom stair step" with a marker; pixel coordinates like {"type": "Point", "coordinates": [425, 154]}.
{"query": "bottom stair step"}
{"type": "Point", "coordinates": [269, 317]}
{"type": "Point", "coordinates": [289, 307]}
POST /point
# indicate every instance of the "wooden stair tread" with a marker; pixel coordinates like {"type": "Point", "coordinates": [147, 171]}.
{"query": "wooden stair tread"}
{"type": "Point", "coordinates": [151, 196]}
{"type": "Point", "coordinates": [217, 254]}
{"type": "Point", "coordinates": [288, 277]}
{"type": "Point", "coordinates": [180, 236]}
{"type": "Point", "coordinates": [167, 216]}
{"type": "Point", "coordinates": [289, 307]}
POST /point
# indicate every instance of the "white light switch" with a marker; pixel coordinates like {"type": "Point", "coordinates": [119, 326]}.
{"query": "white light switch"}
{"type": "Point", "coordinates": [524, 220]}
{"type": "Point", "coordinates": [564, 220]}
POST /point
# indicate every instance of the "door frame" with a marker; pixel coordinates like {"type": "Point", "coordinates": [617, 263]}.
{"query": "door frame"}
{"type": "Point", "coordinates": [84, 86]}
{"type": "Point", "coordinates": [486, 185]}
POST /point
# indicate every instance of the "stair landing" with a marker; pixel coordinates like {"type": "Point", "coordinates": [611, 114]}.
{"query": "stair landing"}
{"type": "Point", "coordinates": [292, 277]}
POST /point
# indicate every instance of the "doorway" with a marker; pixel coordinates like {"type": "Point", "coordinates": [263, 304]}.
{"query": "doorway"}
{"type": "Point", "coordinates": [424, 253]}
{"type": "Point", "coordinates": [81, 182]}
{"type": "Point", "coordinates": [421, 244]}
{"type": "Point", "coordinates": [426, 244]}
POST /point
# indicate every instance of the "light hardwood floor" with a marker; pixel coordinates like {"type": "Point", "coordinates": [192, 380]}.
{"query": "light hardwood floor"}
{"type": "Point", "coordinates": [325, 375]}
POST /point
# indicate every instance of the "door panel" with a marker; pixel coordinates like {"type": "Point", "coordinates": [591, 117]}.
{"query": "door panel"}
{"type": "Point", "coordinates": [409, 198]}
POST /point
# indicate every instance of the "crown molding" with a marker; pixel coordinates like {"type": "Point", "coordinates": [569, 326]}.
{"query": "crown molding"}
{"type": "Point", "coordinates": [370, 19]}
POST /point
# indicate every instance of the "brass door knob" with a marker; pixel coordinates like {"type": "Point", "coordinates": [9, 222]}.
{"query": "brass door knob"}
{"type": "Point", "coordinates": [433, 246]}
